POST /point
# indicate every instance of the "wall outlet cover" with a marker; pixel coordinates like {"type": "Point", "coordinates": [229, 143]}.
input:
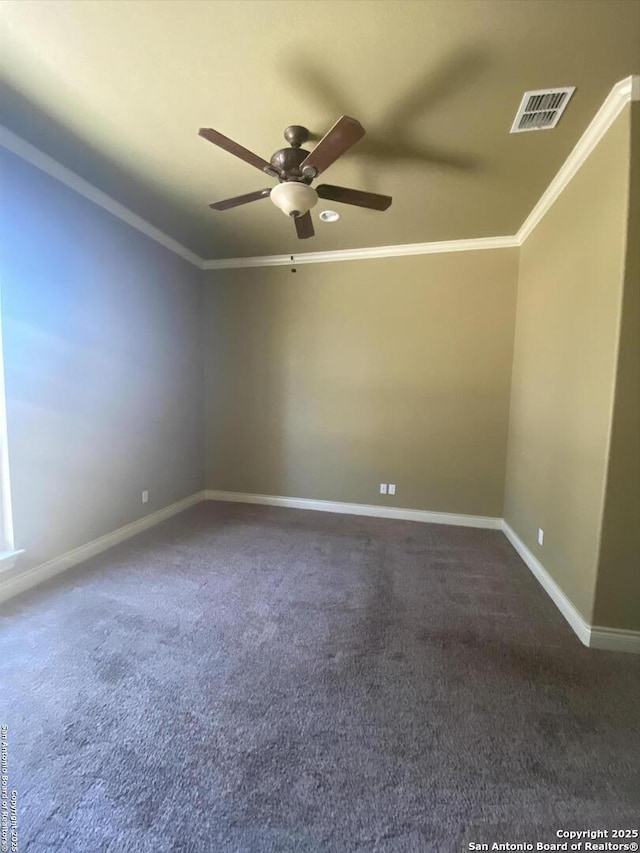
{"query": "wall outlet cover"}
{"type": "Point", "coordinates": [383, 488]}
{"type": "Point", "coordinates": [145, 497]}
{"type": "Point", "coordinates": [540, 536]}
{"type": "Point", "coordinates": [392, 488]}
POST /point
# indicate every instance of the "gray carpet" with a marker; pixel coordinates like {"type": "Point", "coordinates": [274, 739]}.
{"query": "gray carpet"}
{"type": "Point", "coordinates": [257, 679]}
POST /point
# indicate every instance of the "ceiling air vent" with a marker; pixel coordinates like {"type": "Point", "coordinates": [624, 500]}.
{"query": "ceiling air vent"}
{"type": "Point", "coordinates": [541, 110]}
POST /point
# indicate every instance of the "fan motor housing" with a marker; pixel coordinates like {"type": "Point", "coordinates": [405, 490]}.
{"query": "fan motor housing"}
{"type": "Point", "coordinates": [288, 161]}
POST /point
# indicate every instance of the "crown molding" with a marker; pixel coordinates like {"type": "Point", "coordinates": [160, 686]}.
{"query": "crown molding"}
{"type": "Point", "coordinates": [14, 143]}
{"type": "Point", "coordinates": [401, 250]}
{"type": "Point", "coordinates": [622, 93]}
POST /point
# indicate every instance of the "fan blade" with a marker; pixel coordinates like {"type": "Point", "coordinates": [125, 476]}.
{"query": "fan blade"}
{"type": "Point", "coordinates": [361, 199]}
{"type": "Point", "coordinates": [235, 149]}
{"type": "Point", "coordinates": [239, 199]}
{"type": "Point", "coordinates": [304, 226]}
{"type": "Point", "coordinates": [344, 133]}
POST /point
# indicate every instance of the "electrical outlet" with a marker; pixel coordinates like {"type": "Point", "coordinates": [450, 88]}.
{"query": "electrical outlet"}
{"type": "Point", "coordinates": [540, 536]}
{"type": "Point", "coordinates": [145, 497]}
{"type": "Point", "coordinates": [392, 488]}
{"type": "Point", "coordinates": [383, 488]}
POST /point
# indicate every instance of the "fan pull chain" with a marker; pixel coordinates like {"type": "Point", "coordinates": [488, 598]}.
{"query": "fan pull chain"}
{"type": "Point", "coordinates": [293, 269]}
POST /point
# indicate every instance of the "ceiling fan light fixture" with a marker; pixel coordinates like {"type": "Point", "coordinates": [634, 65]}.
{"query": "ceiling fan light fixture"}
{"type": "Point", "coordinates": [294, 198]}
{"type": "Point", "coordinates": [296, 168]}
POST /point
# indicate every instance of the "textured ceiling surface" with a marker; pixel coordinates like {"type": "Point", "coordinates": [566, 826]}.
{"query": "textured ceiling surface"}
{"type": "Point", "coordinates": [117, 89]}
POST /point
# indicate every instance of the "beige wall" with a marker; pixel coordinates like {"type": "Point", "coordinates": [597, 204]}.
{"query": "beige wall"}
{"type": "Point", "coordinates": [327, 382]}
{"type": "Point", "coordinates": [617, 602]}
{"type": "Point", "coordinates": [103, 367]}
{"type": "Point", "coordinates": [569, 297]}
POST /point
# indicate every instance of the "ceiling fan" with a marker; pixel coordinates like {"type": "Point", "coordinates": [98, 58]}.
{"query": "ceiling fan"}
{"type": "Point", "coordinates": [295, 168]}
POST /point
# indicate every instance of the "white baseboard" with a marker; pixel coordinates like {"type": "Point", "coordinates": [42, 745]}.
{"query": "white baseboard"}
{"type": "Point", "coordinates": [562, 602]}
{"type": "Point", "coordinates": [595, 637]}
{"type": "Point", "coordinates": [615, 640]}
{"type": "Point", "coordinates": [359, 509]}
{"type": "Point", "coordinates": [20, 582]}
